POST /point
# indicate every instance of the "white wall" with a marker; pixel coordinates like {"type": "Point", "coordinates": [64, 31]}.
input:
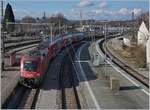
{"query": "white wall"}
{"type": "Point", "coordinates": [148, 51]}
{"type": "Point", "coordinates": [126, 42]}
{"type": "Point", "coordinates": [142, 34]}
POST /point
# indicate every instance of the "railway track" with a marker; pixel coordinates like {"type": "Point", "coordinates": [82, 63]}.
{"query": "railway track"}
{"type": "Point", "coordinates": [144, 80]}
{"type": "Point", "coordinates": [30, 101]}
{"type": "Point", "coordinates": [14, 46]}
{"type": "Point", "coordinates": [25, 98]}
{"type": "Point", "coordinates": [21, 98]}
{"type": "Point", "coordinates": [18, 49]}
{"type": "Point", "coordinates": [68, 82]}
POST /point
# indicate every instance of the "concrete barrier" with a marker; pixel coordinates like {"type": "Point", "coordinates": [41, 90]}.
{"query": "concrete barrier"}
{"type": "Point", "coordinates": [12, 58]}
{"type": "Point", "coordinates": [114, 84]}
{"type": "Point", "coordinates": [96, 60]}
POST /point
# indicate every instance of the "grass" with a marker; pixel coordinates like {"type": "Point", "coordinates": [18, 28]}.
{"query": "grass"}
{"type": "Point", "coordinates": [134, 55]}
{"type": "Point", "coordinates": [140, 55]}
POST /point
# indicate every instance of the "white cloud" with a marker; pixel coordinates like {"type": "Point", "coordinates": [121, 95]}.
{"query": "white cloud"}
{"type": "Point", "coordinates": [85, 3]}
{"type": "Point", "coordinates": [121, 14]}
{"type": "Point", "coordinates": [137, 11]}
{"type": "Point", "coordinates": [103, 5]}
{"type": "Point", "coordinates": [99, 11]}
{"type": "Point", "coordinates": [20, 13]}
{"type": "Point", "coordinates": [110, 12]}
{"type": "Point", "coordinates": [72, 10]}
{"type": "Point", "coordinates": [23, 11]}
{"type": "Point", "coordinates": [104, 14]}
{"type": "Point", "coordinates": [124, 11]}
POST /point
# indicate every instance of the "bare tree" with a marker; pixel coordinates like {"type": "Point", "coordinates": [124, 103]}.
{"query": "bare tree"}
{"type": "Point", "coordinates": [28, 19]}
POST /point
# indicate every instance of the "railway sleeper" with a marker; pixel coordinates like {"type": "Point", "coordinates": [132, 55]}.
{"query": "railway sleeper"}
{"type": "Point", "coordinates": [31, 83]}
{"type": "Point", "coordinates": [71, 102]}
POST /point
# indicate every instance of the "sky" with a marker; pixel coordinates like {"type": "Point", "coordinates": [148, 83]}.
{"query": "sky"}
{"type": "Point", "coordinates": [90, 9]}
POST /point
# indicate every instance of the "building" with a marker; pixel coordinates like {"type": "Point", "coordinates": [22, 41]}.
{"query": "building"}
{"type": "Point", "coordinates": [148, 52]}
{"type": "Point", "coordinates": [143, 39]}
{"type": "Point", "coordinates": [127, 39]}
{"type": "Point", "coordinates": [142, 34]}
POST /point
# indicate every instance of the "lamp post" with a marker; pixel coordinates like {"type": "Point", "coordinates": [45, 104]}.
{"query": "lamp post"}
{"type": "Point", "coordinates": [51, 27]}
{"type": "Point", "coordinates": [105, 33]}
{"type": "Point", "coordinates": [81, 24]}
{"type": "Point", "coordinates": [94, 27]}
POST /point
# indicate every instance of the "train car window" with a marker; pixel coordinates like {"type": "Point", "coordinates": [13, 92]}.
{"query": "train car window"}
{"type": "Point", "coordinates": [30, 65]}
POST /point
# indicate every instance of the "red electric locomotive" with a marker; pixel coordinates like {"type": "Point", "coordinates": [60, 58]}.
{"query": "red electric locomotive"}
{"type": "Point", "coordinates": [33, 66]}
{"type": "Point", "coordinates": [34, 63]}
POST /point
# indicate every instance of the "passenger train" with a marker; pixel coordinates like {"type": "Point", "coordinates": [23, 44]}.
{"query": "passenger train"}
{"type": "Point", "coordinates": [35, 62]}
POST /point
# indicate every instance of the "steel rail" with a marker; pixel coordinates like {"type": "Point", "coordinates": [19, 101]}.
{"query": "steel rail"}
{"type": "Point", "coordinates": [69, 95]}
{"type": "Point", "coordinates": [134, 73]}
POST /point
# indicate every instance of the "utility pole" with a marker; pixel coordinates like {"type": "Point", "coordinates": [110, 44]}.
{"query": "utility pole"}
{"type": "Point", "coordinates": [51, 33]}
{"type": "Point", "coordinates": [2, 37]}
{"type": "Point", "coordinates": [133, 21]}
{"type": "Point", "coordinates": [94, 29]}
{"type": "Point", "coordinates": [65, 28]}
{"type": "Point", "coordinates": [44, 16]}
{"type": "Point", "coordinates": [133, 40]}
{"type": "Point", "coordinates": [59, 26]}
{"type": "Point", "coordinates": [119, 27]}
{"type": "Point", "coordinates": [81, 19]}
{"type": "Point", "coordinates": [105, 29]}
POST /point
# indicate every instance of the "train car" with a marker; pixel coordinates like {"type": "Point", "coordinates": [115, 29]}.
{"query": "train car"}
{"type": "Point", "coordinates": [80, 36]}
{"type": "Point", "coordinates": [68, 39]}
{"type": "Point", "coordinates": [74, 38]}
{"type": "Point", "coordinates": [34, 63]}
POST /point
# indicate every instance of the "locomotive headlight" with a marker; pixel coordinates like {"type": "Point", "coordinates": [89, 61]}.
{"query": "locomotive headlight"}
{"type": "Point", "coordinates": [38, 74]}
{"type": "Point", "coordinates": [22, 74]}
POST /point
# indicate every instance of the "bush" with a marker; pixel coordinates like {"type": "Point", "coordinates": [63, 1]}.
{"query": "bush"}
{"type": "Point", "coordinates": [140, 54]}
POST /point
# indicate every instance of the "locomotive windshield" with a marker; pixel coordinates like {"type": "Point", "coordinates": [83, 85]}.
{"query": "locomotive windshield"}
{"type": "Point", "coordinates": [30, 65]}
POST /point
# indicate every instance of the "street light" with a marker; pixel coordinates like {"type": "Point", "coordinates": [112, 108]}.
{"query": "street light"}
{"type": "Point", "coordinates": [105, 29]}
{"type": "Point", "coordinates": [51, 26]}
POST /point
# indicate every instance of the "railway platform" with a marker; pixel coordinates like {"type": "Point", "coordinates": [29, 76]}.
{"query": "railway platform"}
{"type": "Point", "coordinates": [96, 88]}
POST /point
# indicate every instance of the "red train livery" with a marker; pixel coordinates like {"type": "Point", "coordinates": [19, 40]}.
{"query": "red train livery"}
{"type": "Point", "coordinates": [35, 62]}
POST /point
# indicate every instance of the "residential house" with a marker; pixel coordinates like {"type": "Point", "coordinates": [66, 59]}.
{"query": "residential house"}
{"type": "Point", "coordinates": [143, 39]}
{"type": "Point", "coordinates": [148, 52]}
{"type": "Point", "coordinates": [142, 34]}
